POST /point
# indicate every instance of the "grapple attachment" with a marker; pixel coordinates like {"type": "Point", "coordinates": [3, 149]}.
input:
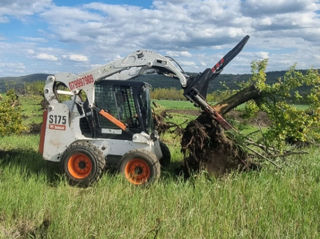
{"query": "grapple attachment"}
{"type": "Point", "coordinates": [197, 87]}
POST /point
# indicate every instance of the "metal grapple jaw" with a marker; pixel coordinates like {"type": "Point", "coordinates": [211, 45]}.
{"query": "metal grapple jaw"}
{"type": "Point", "coordinates": [197, 86]}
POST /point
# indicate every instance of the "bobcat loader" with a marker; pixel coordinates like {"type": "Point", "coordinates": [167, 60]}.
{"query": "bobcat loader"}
{"type": "Point", "coordinates": [103, 117]}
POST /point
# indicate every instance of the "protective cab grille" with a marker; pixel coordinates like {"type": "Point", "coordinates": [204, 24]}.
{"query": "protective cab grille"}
{"type": "Point", "coordinates": [119, 102]}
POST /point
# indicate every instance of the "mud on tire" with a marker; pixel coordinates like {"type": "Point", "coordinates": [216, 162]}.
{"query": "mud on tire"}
{"type": "Point", "coordinates": [140, 167]}
{"type": "Point", "coordinates": [82, 163]}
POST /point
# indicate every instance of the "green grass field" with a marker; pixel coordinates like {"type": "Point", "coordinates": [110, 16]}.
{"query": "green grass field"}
{"type": "Point", "coordinates": [36, 202]}
{"type": "Point", "coordinates": [176, 104]}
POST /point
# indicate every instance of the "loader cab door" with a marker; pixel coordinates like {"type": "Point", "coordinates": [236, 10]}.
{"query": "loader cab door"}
{"type": "Point", "coordinates": [128, 102]}
{"type": "Point", "coordinates": [145, 106]}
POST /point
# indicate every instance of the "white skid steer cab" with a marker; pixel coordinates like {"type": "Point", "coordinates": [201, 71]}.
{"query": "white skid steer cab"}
{"type": "Point", "coordinates": [102, 118]}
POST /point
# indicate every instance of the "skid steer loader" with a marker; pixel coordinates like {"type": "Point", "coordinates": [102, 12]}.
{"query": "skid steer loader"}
{"type": "Point", "coordinates": [103, 117]}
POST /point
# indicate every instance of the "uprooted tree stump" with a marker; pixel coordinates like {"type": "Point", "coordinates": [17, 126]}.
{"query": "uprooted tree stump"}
{"type": "Point", "coordinates": [206, 146]}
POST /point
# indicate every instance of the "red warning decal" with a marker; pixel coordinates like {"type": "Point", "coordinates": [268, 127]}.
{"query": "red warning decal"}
{"type": "Point", "coordinates": [217, 66]}
{"type": "Point", "coordinates": [80, 82]}
{"type": "Point", "coordinates": [57, 126]}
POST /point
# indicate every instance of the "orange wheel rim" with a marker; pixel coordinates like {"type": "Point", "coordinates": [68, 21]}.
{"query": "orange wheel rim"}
{"type": "Point", "coordinates": [137, 171]}
{"type": "Point", "coordinates": [79, 166]}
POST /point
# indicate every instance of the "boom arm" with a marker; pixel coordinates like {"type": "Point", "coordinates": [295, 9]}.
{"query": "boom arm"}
{"type": "Point", "coordinates": [195, 88]}
{"type": "Point", "coordinates": [123, 69]}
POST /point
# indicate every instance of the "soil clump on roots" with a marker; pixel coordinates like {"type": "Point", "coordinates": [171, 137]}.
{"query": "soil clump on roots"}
{"type": "Point", "coordinates": [206, 147]}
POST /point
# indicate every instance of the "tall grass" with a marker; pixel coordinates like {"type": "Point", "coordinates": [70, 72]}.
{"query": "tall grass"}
{"type": "Point", "coordinates": [271, 203]}
{"type": "Point", "coordinates": [37, 202]}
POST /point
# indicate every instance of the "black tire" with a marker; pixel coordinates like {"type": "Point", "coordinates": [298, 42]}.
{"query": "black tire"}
{"type": "Point", "coordinates": [82, 163]}
{"type": "Point", "coordinates": [166, 155]}
{"type": "Point", "coordinates": [140, 167]}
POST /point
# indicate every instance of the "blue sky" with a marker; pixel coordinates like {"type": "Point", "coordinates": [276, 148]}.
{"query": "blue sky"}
{"type": "Point", "coordinates": [75, 36]}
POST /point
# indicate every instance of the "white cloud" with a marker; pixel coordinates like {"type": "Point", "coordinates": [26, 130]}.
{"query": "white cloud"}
{"type": "Point", "coordinates": [35, 39]}
{"type": "Point", "coordinates": [30, 51]}
{"type": "Point", "coordinates": [262, 55]}
{"type": "Point", "coordinates": [76, 57]}
{"type": "Point", "coordinates": [11, 68]}
{"type": "Point", "coordinates": [263, 7]}
{"type": "Point", "coordinates": [46, 57]}
{"type": "Point", "coordinates": [196, 32]}
{"type": "Point", "coordinates": [95, 65]}
{"type": "Point", "coordinates": [167, 26]}
{"type": "Point", "coordinates": [187, 63]}
{"type": "Point", "coordinates": [186, 54]}
{"type": "Point", "coordinates": [70, 14]}
{"type": "Point", "coordinates": [21, 8]}
{"type": "Point", "coordinates": [179, 53]}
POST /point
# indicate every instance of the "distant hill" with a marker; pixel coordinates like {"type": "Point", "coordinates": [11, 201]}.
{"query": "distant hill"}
{"type": "Point", "coordinates": [18, 82]}
{"type": "Point", "coordinates": [220, 83]}
{"type": "Point", "coordinates": [157, 81]}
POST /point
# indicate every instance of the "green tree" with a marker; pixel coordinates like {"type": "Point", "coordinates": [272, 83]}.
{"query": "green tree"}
{"type": "Point", "coordinates": [289, 124]}
{"type": "Point", "coordinates": [34, 88]}
{"type": "Point", "coordinates": [10, 114]}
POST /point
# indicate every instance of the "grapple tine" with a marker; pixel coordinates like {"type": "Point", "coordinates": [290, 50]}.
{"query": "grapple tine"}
{"type": "Point", "coordinates": [217, 68]}
{"type": "Point", "coordinates": [197, 87]}
{"type": "Point", "coordinates": [214, 114]}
